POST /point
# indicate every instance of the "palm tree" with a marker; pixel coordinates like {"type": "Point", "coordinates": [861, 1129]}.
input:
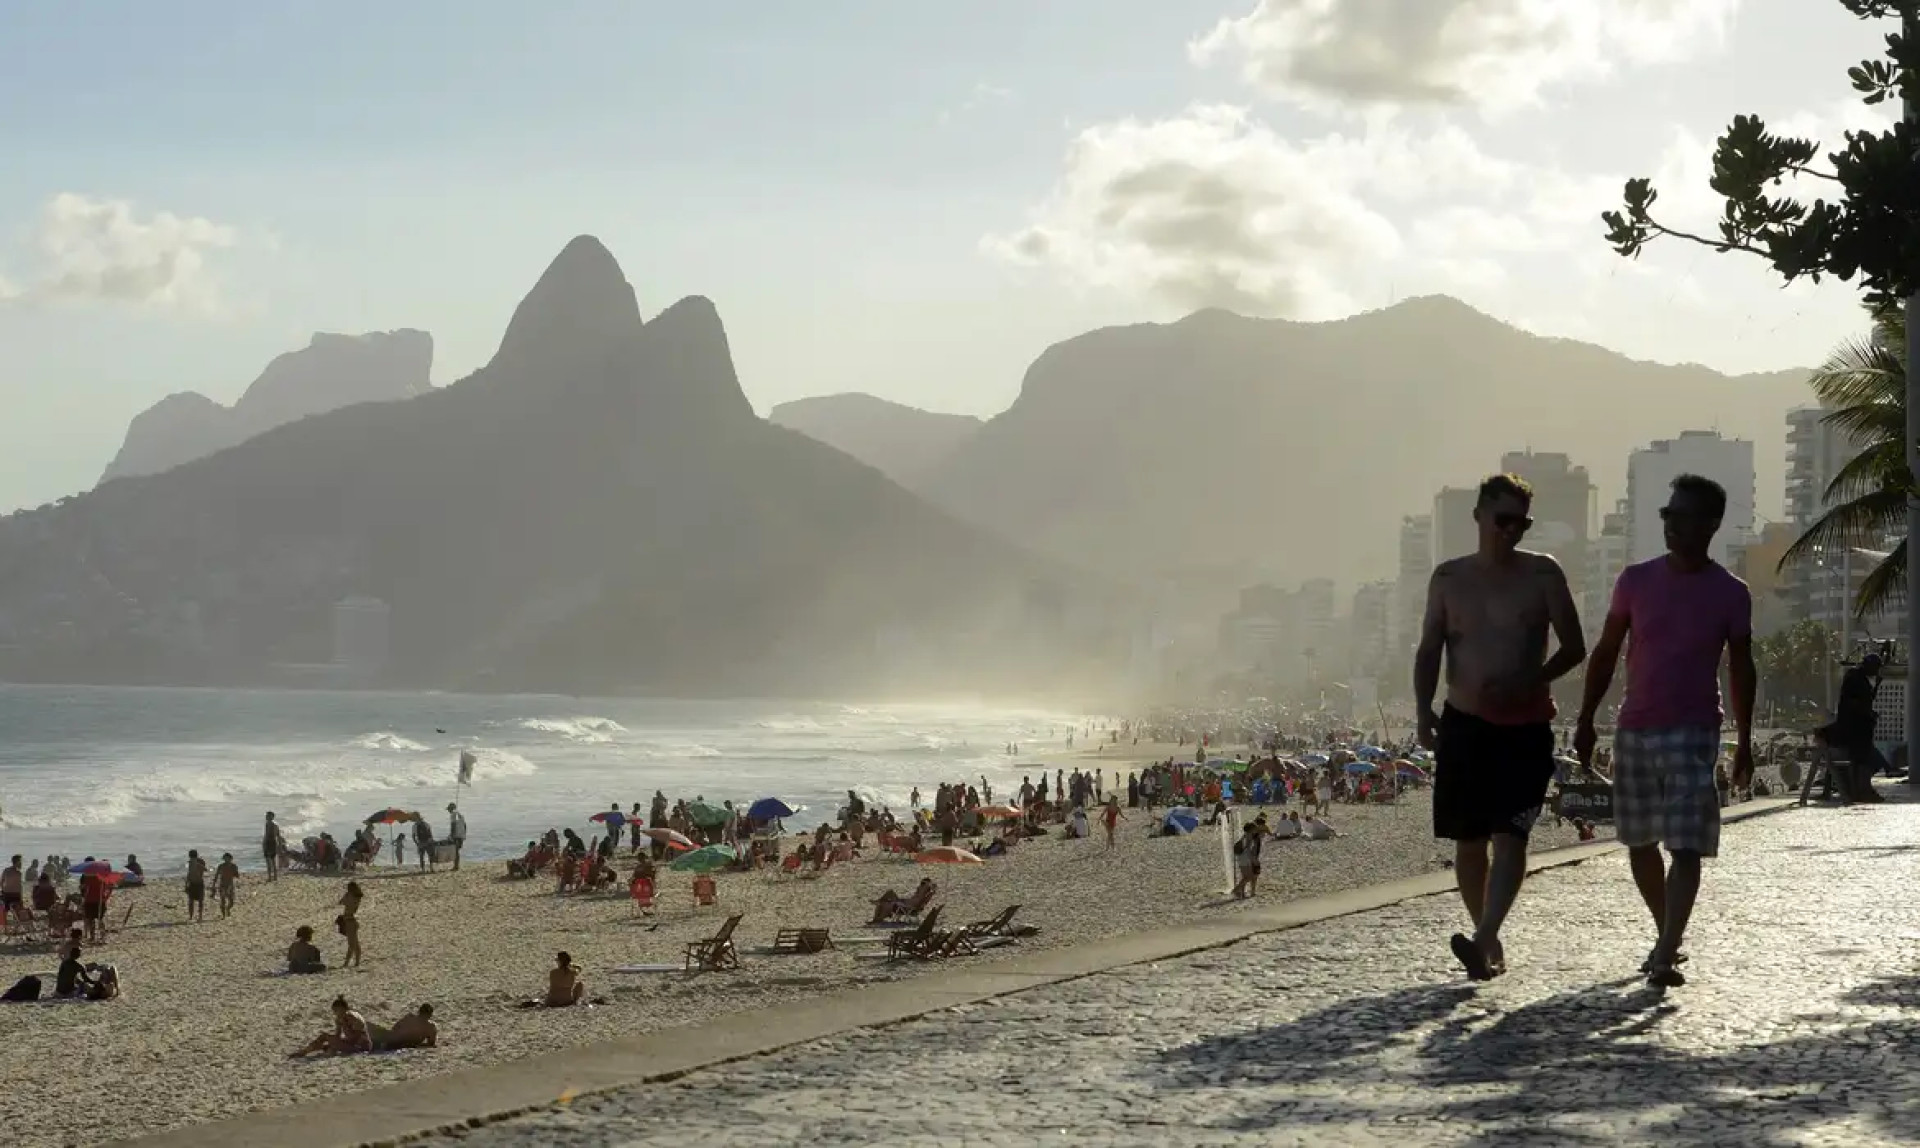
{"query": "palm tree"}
{"type": "Point", "coordinates": [1863, 385]}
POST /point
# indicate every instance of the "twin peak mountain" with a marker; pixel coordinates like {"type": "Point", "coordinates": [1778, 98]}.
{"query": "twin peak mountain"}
{"type": "Point", "coordinates": [599, 508]}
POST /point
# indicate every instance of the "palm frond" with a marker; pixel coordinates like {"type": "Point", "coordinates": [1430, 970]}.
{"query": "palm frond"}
{"type": "Point", "coordinates": [1885, 585]}
{"type": "Point", "coordinates": [1881, 466]}
{"type": "Point", "coordinates": [1864, 521]}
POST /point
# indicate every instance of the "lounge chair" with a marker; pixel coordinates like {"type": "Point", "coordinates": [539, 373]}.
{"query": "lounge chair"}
{"type": "Point", "coordinates": [999, 926]}
{"type": "Point", "coordinates": [716, 952]}
{"type": "Point", "coordinates": [802, 941]}
{"type": "Point", "coordinates": [904, 910]}
{"type": "Point", "coordinates": [914, 942]}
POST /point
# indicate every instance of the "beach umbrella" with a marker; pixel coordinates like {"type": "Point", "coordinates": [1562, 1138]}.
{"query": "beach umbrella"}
{"type": "Point", "coordinates": [1361, 767]}
{"type": "Point", "coordinates": [705, 815]}
{"type": "Point", "coordinates": [769, 809]}
{"type": "Point", "coordinates": [1369, 751]}
{"type": "Point", "coordinates": [1180, 820]}
{"type": "Point", "coordinates": [705, 859]}
{"type": "Point", "coordinates": [1315, 759]}
{"type": "Point", "coordinates": [391, 817]}
{"type": "Point", "coordinates": [997, 811]}
{"type": "Point", "coordinates": [671, 838]}
{"type": "Point", "coordinates": [612, 818]}
{"type": "Point", "coordinates": [948, 855]}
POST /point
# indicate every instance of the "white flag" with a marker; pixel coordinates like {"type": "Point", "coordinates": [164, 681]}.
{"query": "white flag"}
{"type": "Point", "coordinates": [467, 761]}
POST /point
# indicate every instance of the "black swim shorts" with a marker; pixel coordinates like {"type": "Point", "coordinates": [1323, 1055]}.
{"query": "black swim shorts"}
{"type": "Point", "coordinates": [1489, 778]}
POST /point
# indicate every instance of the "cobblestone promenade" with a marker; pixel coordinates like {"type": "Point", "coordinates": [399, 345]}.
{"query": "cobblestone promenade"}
{"type": "Point", "coordinates": [1801, 1026]}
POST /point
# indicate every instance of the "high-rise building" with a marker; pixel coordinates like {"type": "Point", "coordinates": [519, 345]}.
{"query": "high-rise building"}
{"type": "Point", "coordinates": [1650, 474]}
{"type": "Point", "coordinates": [1372, 650]}
{"type": "Point", "coordinates": [1816, 451]}
{"type": "Point", "coordinates": [1410, 584]}
{"type": "Point", "coordinates": [1454, 533]}
{"type": "Point", "coordinates": [1563, 501]}
{"type": "Point", "coordinates": [1606, 557]}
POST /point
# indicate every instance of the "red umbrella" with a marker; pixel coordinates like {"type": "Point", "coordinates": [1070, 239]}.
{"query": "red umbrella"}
{"type": "Point", "coordinates": [948, 855]}
{"type": "Point", "coordinates": [672, 839]}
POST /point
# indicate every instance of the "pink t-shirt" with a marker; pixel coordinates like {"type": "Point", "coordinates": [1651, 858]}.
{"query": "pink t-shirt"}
{"type": "Point", "coordinates": [1679, 627]}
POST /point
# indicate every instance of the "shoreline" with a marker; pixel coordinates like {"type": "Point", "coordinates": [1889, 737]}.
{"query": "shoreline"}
{"type": "Point", "coordinates": [206, 1022]}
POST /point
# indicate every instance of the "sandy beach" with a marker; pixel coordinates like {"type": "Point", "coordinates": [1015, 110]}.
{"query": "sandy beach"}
{"type": "Point", "coordinates": [206, 1020]}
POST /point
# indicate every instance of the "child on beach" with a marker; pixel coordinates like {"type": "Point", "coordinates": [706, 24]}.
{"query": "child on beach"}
{"type": "Point", "coordinates": [1111, 817]}
{"type": "Point", "coordinates": [223, 880]}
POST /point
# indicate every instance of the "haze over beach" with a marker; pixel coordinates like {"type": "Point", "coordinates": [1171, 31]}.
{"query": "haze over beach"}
{"type": "Point", "coordinates": [1007, 444]}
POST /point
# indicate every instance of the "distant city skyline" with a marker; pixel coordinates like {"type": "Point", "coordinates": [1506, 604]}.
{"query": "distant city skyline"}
{"type": "Point", "coordinates": [887, 198]}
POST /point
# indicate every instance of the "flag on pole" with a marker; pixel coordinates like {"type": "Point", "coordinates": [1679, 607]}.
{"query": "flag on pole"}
{"type": "Point", "coordinates": [467, 761]}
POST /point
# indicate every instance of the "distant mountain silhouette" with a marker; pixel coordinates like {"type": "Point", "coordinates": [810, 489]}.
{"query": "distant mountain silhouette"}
{"type": "Point", "coordinates": [332, 371]}
{"type": "Point", "coordinates": [901, 442]}
{"type": "Point", "coordinates": [597, 509]}
{"type": "Point", "coordinates": [1250, 448]}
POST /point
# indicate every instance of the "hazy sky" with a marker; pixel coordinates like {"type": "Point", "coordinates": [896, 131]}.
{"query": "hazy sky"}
{"type": "Point", "coordinates": [895, 196]}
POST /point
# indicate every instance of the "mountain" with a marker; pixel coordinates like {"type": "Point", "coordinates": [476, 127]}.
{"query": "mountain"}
{"type": "Point", "coordinates": [332, 371]}
{"type": "Point", "coordinates": [899, 441]}
{"type": "Point", "coordinates": [1244, 449]}
{"type": "Point", "coordinates": [596, 509]}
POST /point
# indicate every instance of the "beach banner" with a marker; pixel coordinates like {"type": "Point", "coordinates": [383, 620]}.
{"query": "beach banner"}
{"type": "Point", "coordinates": [467, 761]}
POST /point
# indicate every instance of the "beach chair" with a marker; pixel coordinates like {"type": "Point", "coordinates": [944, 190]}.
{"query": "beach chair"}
{"type": "Point", "coordinates": [802, 941]}
{"type": "Point", "coordinates": [914, 942]}
{"type": "Point", "coordinates": [1000, 925]}
{"type": "Point", "coordinates": [703, 891]}
{"type": "Point", "coordinates": [908, 909]}
{"type": "Point", "coordinates": [716, 952]}
{"type": "Point", "coordinates": [642, 893]}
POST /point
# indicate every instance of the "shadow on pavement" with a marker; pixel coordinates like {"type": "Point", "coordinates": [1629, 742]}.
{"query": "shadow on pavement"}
{"type": "Point", "coordinates": [1581, 1067]}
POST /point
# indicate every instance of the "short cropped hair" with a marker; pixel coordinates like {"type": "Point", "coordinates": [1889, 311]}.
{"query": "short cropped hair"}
{"type": "Point", "coordinates": [1497, 485]}
{"type": "Point", "coordinates": [1710, 493]}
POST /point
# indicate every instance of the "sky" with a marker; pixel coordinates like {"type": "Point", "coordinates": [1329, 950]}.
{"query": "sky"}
{"type": "Point", "coordinates": [893, 196]}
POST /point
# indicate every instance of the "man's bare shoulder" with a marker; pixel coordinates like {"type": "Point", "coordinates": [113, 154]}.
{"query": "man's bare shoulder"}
{"type": "Point", "coordinates": [1453, 567]}
{"type": "Point", "coordinates": [1543, 564]}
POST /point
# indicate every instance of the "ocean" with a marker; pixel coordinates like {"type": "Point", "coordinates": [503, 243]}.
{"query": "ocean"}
{"type": "Point", "coordinates": [154, 772]}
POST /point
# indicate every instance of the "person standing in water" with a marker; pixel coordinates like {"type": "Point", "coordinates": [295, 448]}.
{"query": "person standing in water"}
{"type": "Point", "coordinates": [1683, 611]}
{"type": "Point", "coordinates": [1489, 614]}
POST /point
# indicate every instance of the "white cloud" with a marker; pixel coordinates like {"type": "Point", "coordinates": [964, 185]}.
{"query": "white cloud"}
{"type": "Point", "coordinates": [1490, 54]}
{"type": "Point", "coordinates": [1213, 208]}
{"type": "Point", "coordinates": [104, 250]}
{"type": "Point", "coordinates": [983, 95]}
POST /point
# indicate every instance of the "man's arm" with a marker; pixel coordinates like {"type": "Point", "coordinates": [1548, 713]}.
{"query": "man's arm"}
{"type": "Point", "coordinates": [1433, 643]}
{"type": "Point", "coordinates": [1565, 618]}
{"type": "Point", "coordinates": [1600, 667]}
{"type": "Point", "coordinates": [1744, 678]}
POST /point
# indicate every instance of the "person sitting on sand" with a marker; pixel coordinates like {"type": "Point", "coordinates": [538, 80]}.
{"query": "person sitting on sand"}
{"type": "Point", "coordinates": [303, 956]}
{"type": "Point", "coordinates": [415, 1030]}
{"type": "Point", "coordinates": [349, 1034]}
{"type": "Point", "coordinates": [85, 982]}
{"type": "Point", "coordinates": [1287, 826]}
{"type": "Point", "coordinates": [564, 986]}
{"type": "Point", "coordinates": [1317, 830]}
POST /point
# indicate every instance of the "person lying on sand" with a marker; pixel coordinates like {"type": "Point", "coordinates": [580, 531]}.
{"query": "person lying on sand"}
{"type": "Point", "coordinates": [415, 1030]}
{"type": "Point", "coordinates": [348, 1035]}
{"type": "Point", "coordinates": [303, 956]}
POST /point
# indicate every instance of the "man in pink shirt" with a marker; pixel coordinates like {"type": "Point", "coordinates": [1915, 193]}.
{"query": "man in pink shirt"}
{"type": "Point", "coordinates": [1683, 610]}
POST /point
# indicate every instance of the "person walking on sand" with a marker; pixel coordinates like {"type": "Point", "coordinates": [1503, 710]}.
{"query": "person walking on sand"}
{"type": "Point", "coordinates": [270, 847]}
{"type": "Point", "coordinates": [1682, 610]}
{"type": "Point", "coordinates": [196, 886]}
{"type": "Point", "coordinates": [423, 844]}
{"type": "Point", "coordinates": [1489, 614]}
{"type": "Point", "coordinates": [1111, 817]}
{"type": "Point", "coordinates": [224, 878]}
{"type": "Point", "coordinates": [456, 832]}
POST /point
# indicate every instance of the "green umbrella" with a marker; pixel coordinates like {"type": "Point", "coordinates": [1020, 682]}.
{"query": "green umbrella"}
{"type": "Point", "coordinates": [705, 859]}
{"type": "Point", "coordinates": [706, 816]}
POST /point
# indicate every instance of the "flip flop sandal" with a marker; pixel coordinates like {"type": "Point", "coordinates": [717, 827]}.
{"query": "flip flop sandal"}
{"type": "Point", "coordinates": [1470, 956]}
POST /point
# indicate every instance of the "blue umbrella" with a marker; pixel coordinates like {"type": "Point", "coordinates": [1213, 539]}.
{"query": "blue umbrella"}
{"type": "Point", "coordinates": [1315, 759]}
{"type": "Point", "coordinates": [770, 809]}
{"type": "Point", "coordinates": [1181, 821]}
{"type": "Point", "coordinates": [1361, 767]}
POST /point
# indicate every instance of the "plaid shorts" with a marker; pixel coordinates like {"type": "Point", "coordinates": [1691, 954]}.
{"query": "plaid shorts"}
{"type": "Point", "coordinates": [1663, 790]}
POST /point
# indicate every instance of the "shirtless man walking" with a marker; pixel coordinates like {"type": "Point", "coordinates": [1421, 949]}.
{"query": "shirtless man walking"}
{"type": "Point", "coordinates": [1489, 614]}
{"type": "Point", "coordinates": [1684, 611]}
